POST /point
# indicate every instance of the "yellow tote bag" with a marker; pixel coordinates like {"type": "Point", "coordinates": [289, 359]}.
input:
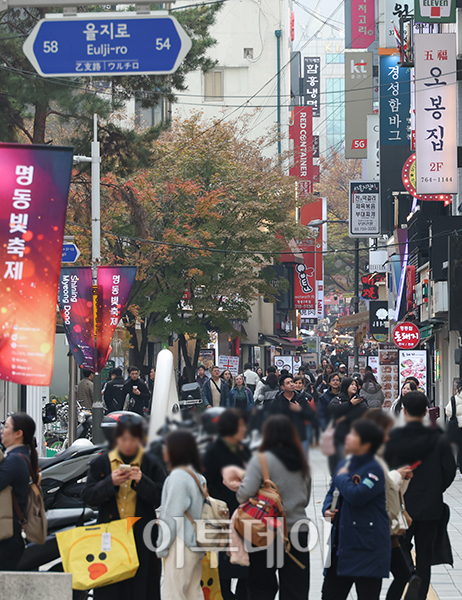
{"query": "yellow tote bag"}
{"type": "Point", "coordinates": [99, 555]}
{"type": "Point", "coordinates": [210, 580]}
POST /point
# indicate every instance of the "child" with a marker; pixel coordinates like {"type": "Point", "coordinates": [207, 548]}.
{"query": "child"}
{"type": "Point", "coordinates": [360, 538]}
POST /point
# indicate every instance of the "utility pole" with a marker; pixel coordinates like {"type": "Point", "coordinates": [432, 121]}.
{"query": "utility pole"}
{"type": "Point", "coordinates": [356, 303]}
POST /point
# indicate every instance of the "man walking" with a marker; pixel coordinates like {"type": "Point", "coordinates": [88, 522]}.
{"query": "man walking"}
{"type": "Point", "coordinates": [290, 403]}
{"type": "Point", "coordinates": [114, 393]}
{"type": "Point", "coordinates": [138, 391]}
{"type": "Point", "coordinates": [429, 452]}
{"type": "Point", "coordinates": [85, 390]}
{"type": "Point", "coordinates": [215, 391]}
{"type": "Point", "coordinates": [251, 378]}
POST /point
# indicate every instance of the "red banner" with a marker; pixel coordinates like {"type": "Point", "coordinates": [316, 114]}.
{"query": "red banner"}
{"type": "Point", "coordinates": [76, 307]}
{"type": "Point", "coordinates": [33, 198]}
{"type": "Point", "coordinates": [305, 280]}
{"type": "Point", "coordinates": [301, 132]}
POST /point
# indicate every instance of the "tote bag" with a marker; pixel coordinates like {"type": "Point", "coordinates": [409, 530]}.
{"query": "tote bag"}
{"type": "Point", "coordinates": [99, 555]}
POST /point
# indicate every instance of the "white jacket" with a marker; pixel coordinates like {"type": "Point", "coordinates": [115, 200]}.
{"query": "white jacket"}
{"type": "Point", "coordinates": [448, 409]}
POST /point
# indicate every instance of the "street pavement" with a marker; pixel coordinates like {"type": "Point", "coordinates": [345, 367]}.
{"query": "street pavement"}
{"type": "Point", "coordinates": [446, 581]}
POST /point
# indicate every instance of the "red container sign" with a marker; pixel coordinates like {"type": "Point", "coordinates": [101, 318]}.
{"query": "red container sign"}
{"type": "Point", "coordinates": [406, 336]}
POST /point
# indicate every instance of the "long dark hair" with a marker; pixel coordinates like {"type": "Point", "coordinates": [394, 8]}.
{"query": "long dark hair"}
{"type": "Point", "coordinates": [346, 384]}
{"type": "Point", "coordinates": [369, 377]}
{"type": "Point", "coordinates": [25, 423]}
{"type": "Point", "coordinates": [279, 431]}
{"type": "Point", "coordinates": [272, 380]}
{"type": "Point", "coordinates": [400, 403]}
{"type": "Point", "coordinates": [182, 450]}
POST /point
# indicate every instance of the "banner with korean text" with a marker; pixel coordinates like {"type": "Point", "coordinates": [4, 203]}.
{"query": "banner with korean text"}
{"type": "Point", "coordinates": [436, 113]}
{"type": "Point", "coordinates": [33, 199]}
{"type": "Point", "coordinates": [359, 24]}
{"type": "Point", "coordinates": [76, 307]}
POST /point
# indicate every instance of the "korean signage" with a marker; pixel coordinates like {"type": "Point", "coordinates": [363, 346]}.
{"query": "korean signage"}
{"type": "Point", "coordinates": [406, 336]}
{"type": "Point", "coordinates": [358, 102]}
{"type": "Point", "coordinates": [413, 363]}
{"type": "Point", "coordinates": [75, 305]}
{"type": "Point", "coordinates": [378, 320]}
{"type": "Point", "coordinates": [435, 11]}
{"type": "Point", "coordinates": [360, 24]}
{"type": "Point", "coordinates": [370, 290]}
{"type": "Point", "coordinates": [312, 83]}
{"type": "Point", "coordinates": [305, 283]}
{"type": "Point", "coordinates": [364, 208]}
{"type": "Point", "coordinates": [436, 116]}
{"type": "Point", "coordinates": [229, 363]}
{"type": "Point", "coordinates": [395, 102]}
{"type": "Point", "coordinates": [373, 148]}
{"type": "Point", "coordinates": [302, 133]}
{"type": "Point", "coordinates": [33, 198]}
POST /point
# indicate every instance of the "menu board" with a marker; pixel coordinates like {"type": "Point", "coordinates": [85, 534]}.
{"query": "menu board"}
{"type": "Point", "coordinates": [284, 362]}
{"type": "Point", "coordinates": [413, 363]}
{"type": "Point", "coordinates": [373, 362]}
{"type": "Point", "coordinates": [389, 372]}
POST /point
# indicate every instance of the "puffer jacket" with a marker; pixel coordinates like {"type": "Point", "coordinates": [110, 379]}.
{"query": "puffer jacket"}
{"type": "Point", "coordinates": [448, 409]}
{"type": "Point", "coordinates": [372, 394]}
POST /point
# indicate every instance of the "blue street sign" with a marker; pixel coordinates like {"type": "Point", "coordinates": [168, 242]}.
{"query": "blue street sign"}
{"type": "Point", "coordinates": [107, 44]}
{"type": "Point", "coordinates": [70, 253]}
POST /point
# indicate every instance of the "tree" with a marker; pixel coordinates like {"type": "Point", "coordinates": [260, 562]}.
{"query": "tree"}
{"type": "Point", "coordinates": [201, 223]}
{"type": "Point", "coordinates": [29, 102]}
{"type": "Point", "coordinates": [335, 175]}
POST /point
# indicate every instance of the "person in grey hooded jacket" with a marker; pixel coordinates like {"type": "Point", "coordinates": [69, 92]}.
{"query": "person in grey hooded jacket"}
{"type": "Point", "coordinates": [372, 391]}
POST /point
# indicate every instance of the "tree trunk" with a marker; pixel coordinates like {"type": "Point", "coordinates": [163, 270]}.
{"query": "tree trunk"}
{"type": "Point", "coordinates": [191, 365]}
{"type": "Point", "coordinates": [40, 119]}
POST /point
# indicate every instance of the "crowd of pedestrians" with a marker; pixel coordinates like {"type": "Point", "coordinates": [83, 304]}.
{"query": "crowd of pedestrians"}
{"type": "Point", "coordinates": [389, 469]}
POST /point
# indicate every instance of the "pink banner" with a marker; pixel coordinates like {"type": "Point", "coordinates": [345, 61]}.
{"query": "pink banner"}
{"type": "Point", "coordinates": [362, 23]}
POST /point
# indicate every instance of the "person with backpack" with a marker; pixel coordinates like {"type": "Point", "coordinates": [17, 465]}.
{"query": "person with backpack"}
{"type": "Point", "coordinates": [228, 449]}
{"type": "Point", "coordinates": [181, 495]}
{"type": "Point", "coordinates": [127, 482]}
{"type": "Point", "coordinates": [371, 391]}
{"type": "Point", "coordinates": [287, 467]}
{"type": "Point", "coordinates": [15, 470]}
{"type": "Point", "coordinates": [360, 537]}
{"type": "Point", "coordinates": [453, 412]}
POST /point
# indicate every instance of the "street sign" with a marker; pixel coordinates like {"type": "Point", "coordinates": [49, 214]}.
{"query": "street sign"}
{"type": "Point", "coordinates": [406, 336]}
{"type": "Point", "coordinates": [107, 44]}
{"type": "Point", "coordinates": [70, 253]}
{"type": "Point", "coordinates": [364, 208]}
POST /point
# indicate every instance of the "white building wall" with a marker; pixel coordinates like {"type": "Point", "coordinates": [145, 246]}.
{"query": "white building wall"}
{"type": "Point", "coordinates": [250, 84]}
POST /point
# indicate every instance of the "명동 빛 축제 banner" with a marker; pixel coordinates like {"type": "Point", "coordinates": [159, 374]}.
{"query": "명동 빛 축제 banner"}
{"type": "Point", "coordinates": [33, 200]}
{"type": "Point", "coordinates": [76, 307]}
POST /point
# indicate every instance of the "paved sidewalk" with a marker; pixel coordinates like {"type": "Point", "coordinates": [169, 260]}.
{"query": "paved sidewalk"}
{"type": "Point", "coordinates": [446, 581]}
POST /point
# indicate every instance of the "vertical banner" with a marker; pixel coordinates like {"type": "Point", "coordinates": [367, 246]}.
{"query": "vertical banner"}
{"type": "Point", "coordinates": [373, 148]}
{"type": "Point", "coordinates": [312, 84]}
{"type": "Point", "coordinates": [33, 198]}
{"type": "Point", "coordinates": [358, 102]}
{"type": "Point", "coordinates": [436, 113]}
{"type": "Point", "coordinates": [364, 208]}
{"type": "Point", "coordinates": [305, 282]}
{"type": "Point", "coordinates": [76, 307]}
{"type": "Point", "coordinates": [301, 132]}
{"type": "Point", "coordinates": [359, 24]}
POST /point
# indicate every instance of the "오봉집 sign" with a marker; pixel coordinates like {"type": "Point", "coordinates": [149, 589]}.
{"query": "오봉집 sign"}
{"type": "Point", "coordinates": [436, 116]}
{"type": "Point", "coordinates": [364, 208]}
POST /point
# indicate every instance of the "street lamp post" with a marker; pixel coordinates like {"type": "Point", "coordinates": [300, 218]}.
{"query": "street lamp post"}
{"type": "Point", "coordinates": [317, 223]}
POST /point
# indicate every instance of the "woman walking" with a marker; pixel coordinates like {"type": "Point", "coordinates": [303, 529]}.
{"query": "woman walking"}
{"type": "Point", "coordinates": [15, 469]}
{"type": "Point", "coordinates": [371, 391]}
{"type": "Point", "coordinates": [228, 450]}
{"type": "Point", "coordinates": [127, 482]}
{"type": "Point", "coordinates": [181, 494]}
{"type": "Point", "coordinates": [288, 469]}
{"type": "Point", "coordinates": [240, 396]}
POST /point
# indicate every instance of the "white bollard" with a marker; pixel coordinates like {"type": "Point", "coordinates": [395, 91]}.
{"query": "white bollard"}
{"type": "Point", "coordinates": [164, 396]}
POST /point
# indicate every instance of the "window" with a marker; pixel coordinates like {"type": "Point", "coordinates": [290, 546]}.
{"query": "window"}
{"type": "Point", "coordinates": [335, 114]}
{"type": "Point", "coordinates": [213, 85]}
{"type": "Point", "coordinates": [335, 58]}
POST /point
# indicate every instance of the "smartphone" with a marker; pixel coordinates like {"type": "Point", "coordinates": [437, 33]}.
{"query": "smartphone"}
{"type": "Point", "coordinates": [125, 467]}
{"type": "Point", "coordinates": [415, 465]}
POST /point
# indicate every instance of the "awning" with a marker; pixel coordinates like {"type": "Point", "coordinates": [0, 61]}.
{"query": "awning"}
{"type": "Point", "coordinates": [354, 320]}
{"type": "Point", "coordinates": [290, 343]}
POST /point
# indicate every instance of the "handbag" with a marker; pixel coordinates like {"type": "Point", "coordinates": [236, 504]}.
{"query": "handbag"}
{"type": "Point", "coordinates": [326, 442]}
{"type": "Point", "coordinates": [99, 555]}
{"type": "Point", "coordinates": [33, 521]}
{"type": "Point", "coordinates": [453, 423]}
{"type": "Point", "coordinates": [403, 520]}
{"type": "Point", "coordinates": [210, 580]}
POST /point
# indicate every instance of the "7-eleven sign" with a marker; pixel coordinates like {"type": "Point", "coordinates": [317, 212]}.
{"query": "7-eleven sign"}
{"type": "Point", "coordinates": [435, 11]}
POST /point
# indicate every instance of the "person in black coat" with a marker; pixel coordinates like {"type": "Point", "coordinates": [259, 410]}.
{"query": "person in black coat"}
{"type": "Point", "coordinates": [345, 408]}
{"type": "Point", "coordinates": [228, 450]}
{"type": "Point", "coordinates": [134, 492]}
{"type": "Point", "coordinates": [428, 449]}
{"type": "Point", "coordinates": [114, 397]}
{"type": "Point", "coordinates": [138, 391]}
{"type": "Point", "coordinates": [19, 441]}
{"type": "Point", "coordinates": [292, 404]}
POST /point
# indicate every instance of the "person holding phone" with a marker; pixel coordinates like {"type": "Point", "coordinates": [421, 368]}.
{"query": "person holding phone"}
{"type": "Point", "coordinates": [127, 482]}
{"type": "Point", "coordinates": [138, 392]}
{"type": "Point", "coordinates": [344, 409]}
